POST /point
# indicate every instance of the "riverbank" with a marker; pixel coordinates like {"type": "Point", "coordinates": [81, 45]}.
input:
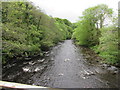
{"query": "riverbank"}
{"type": "Point", "coordinates": [13, 69]}
{"type": "Point", "coordinates": [65, 65]}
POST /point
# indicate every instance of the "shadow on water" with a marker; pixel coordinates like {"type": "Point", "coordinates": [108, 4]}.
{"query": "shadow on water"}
{"type": "Point", "coordinates": [64, 66]}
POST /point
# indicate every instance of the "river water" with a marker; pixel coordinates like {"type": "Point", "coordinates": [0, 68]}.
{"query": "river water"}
{"type": "Point", "coordinates": [64, 66]}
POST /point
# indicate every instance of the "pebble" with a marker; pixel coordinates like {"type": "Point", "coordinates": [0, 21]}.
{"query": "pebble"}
{"type": "Point", "coordinates": [26, 69]}
{"type": "Point", "coordinates": [37, 69]}
{"type": "Point", "coordinates": [41, 60]}
{"type": "Point", "coordinates": [67, 60]}
{"type": "Point", "coordinates": [48, 78]}
{"type": "Point", "coordinates": [104, 66]}
{"type": "Point", "coordinates": [47, 52]}
{"type": "Point", "coordinates": [89, 73]}
{"type": "Point", "coordinates": [47, 55]}
{"type": "Point", "coordinates": [31, 63]}
{"type": "Point", "coordinates": [112, 68]}
{"type": "Point", "coordinates": [52, 59]}
{"type": "Point", "coordinates": [61, 74]}
{"type": "Point", "coordinates": [115, 72]}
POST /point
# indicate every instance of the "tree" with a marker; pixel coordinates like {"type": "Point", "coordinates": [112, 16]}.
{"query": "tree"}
{"type": "Point", "coordinates": [93, 18]}
{"type": "Point", "coordinates": [98, 14]}
{"type": "Point", "coordinates": [27, 31]}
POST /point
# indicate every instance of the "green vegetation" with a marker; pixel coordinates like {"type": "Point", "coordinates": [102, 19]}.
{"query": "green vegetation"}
{"type": "Point", "coordinates": [92, 32]}
{"type": "Point", "coordinates": [108, 46]}
{"type": "Point", "coordinates": [27, 31]}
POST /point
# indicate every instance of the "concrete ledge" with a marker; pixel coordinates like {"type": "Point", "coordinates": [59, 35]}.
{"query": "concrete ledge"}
{"type": "Point", "coordinates": [6, 84]}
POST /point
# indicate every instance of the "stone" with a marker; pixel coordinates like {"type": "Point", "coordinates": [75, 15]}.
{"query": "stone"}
{"type": "Point", "coordinates": [26, 69]}
{"type": "Point", "coordinates": [61, 74]}
{"type": "Point", "coordinates": [41, 60]}
{"type": "Point", "coordinates": [67, 60]}
{"type": "Point", "coordinates": [37, 69]}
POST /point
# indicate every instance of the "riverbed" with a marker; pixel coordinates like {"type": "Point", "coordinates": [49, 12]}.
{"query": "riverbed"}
{"type": "Point", "coordinates": [64, 66]}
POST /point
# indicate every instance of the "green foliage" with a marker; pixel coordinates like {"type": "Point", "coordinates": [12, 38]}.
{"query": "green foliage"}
{"type": "Point", "coordinates": [65, 26]}
{"type": "Point", "coordinates": [81, 33]}
{"type": "Point", "coordinates": [86, 33]}
{"type": "Point", "coordinates": [26, 30]}
{"type": "Point", "coordinates": [90, 31]}
{"type": "Point", "coordinates": [108, 47]}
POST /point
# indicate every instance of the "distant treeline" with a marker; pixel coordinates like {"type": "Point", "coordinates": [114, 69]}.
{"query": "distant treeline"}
{"type": "Point", "coordinates": [27, 31]}
{"type": "Point", "coordinates": [92, 32]}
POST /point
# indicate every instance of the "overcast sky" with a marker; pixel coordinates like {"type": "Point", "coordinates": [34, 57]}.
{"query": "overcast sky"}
{"type": "Point", "coordinates": [71, 9]}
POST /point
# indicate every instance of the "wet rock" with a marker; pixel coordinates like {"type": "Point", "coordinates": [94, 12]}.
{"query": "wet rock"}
{"type": "Point", "coordinates": [61, 74]}
{"type": "Point", "coordinates": [37, 69]}
{"type": "Point", "coordinates": [25, 63]}
{"type": "Point", "coordinates": [47, 52]}
{"type": "Point", "coordinates": [46, 55]}
{"type": "Point", "coordinates": [66, 60]}
{"type": "Point", "coordinates": [88, 72]}
{"type": "Point", "coordinates": [26, 69]}
{"type": "Point", "coordinates": [27, 58]}
{"type": "Point", "coordinates": [41, 60]}
{"type": "Point", "coordinates": [113, 70]}
{"type": "Point", "coordinates": [52, 59]}
{"type": "Point", "coordinates": [104, 66]}
{"type": "Point", "coordinates": [31, 63]}
{"type": "Point", "coordinates": [83, 76]}
{"type": "Point", "coordinates": [48, 78]}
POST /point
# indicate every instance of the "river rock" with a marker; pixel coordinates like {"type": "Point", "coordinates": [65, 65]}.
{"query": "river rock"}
{"type": "Point", "coordinates": [67, 60]}
{"type": "Point", "coordinates": [37, 69]}
{"type": "Point", "coordinates": [48, 78]}
{"type": "Point", "coordinates": [113, 70]}
{"type": "Point", "coordinates": [31, 63]}
{"type": "Point", "coordinates": [83, 76]}
{"type": "Point", "coordinates": [61, 74]}
{"type": "Point", "coordinates": [88, 72]}
{"type": "Point", "coordinates": [41, 60]}
{"type": "Point", "coordinates": [27, 58]}
{"type": "Point", "coordinates": [47, 52]}
{"type": "Point", "coordinates": [52, 59]}
{"type": "Point", "coordinates": [105, 66]}
{"type": "Point", "coordinates": [26, 69]}
{"type": "Point", "coordinates": [46, 55]}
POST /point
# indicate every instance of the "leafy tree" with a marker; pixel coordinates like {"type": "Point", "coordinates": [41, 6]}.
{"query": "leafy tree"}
{"type": "Point", "coordinates": [27, 31]}
{"type": "Point", "coordinates": [93, 19]}
{"type": "Point", "coordinates": [90, 31]}
{"type": "Point", "coordinates": [108, 47]}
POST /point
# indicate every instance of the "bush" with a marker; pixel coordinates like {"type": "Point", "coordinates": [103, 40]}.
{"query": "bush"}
{"type": "Point", "coordinates": [108, 47]}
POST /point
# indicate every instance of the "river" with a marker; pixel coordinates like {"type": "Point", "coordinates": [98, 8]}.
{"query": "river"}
{"type": "Point", "coordinates": [64, 66]}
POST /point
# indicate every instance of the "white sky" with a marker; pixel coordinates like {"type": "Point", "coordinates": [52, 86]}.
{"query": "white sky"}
{"type": "Point", "coordinates": [71, 9]}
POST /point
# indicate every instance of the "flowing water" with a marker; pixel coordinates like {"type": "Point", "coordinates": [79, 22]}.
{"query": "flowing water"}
{"type": "Point", "coordinates": [64, 66]}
